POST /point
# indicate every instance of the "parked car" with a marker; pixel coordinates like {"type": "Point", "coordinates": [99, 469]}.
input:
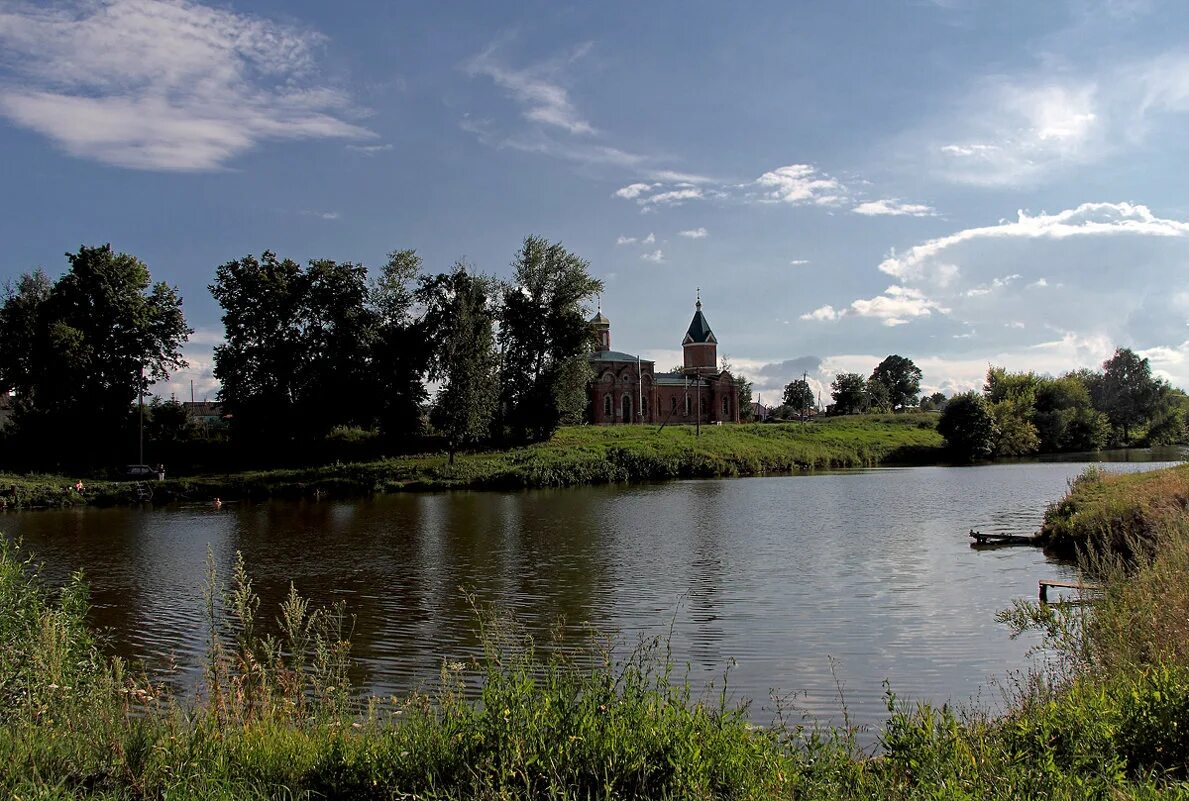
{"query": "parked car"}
{"type": "Point", "coordinates": [140, 472]}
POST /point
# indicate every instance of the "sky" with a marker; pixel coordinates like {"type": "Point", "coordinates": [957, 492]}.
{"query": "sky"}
{"type": "Point", "coordinates": [962, 183]}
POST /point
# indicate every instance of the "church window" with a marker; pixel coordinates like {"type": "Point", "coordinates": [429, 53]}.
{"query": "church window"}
{"type": "Point", "coordinates": [644, 406]}
{"type": "Point", "coordinates": [627, 408]}
{"type": "Point", "coordinates": [607, 407]}
{"type": "Point", "coordinates": [726, 407]}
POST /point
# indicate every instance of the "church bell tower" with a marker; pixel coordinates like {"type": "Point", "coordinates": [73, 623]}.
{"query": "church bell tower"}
{"type": "Point", "coordinates": [700, 346]}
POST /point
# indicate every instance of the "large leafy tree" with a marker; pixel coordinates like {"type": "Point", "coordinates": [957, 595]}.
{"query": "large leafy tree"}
{"type": "Point", "coordinates": [544, 337]}
{"type": "Point", "coordinates": [850, 393]}
{"type": "Point", "coordinates": [80, 351]}
{"type": "Point", "coordinates": [901, 378]}
{"type": "Point", "coordinates": [1065, 417]}
{"type": "Point", "coordinates": [968, 427]}
{"type": "Point", "coordinates": [1129, 394]}
{"type": "Point", "coordinates": [798, 395]}
{"type": "Point", "coordinates": [459, 319]}
{"type": "Point", "coordinates": [296, 360]}
{"type": "Point", "coordinates": [403, 350]}
{"type": "Point", "coordinates": [259, 365]}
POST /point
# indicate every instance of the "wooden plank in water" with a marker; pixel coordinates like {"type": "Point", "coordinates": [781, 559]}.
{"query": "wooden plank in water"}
{"type": "Point", "coordinates": [1085, 586]}
{"type": "Point", "coordinates": [1002, 539]}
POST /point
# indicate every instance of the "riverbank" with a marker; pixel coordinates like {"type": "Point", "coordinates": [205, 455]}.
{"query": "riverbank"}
{"type": "Point", "coordinates": [574, 456]}
{"type": "Point", "coordinates": [1116, 513]}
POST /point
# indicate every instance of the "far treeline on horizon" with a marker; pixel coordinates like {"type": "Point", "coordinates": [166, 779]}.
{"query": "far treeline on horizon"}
{"type": "Point", "coordinates": [328, 358]}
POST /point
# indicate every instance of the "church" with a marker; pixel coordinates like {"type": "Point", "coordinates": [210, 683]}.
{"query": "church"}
{"type": "Point", "coordinates": [627, 389]}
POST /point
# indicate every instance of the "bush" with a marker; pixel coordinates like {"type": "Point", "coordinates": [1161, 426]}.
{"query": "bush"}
{"type": "Point", "coordinates": [968, 427]}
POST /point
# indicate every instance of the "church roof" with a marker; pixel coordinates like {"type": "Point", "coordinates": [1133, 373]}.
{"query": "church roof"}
{"type": "Point", "coordinates": [699, 329]}
{"type": "Point", "coordinates": [614, 356]}
{"type": "Point", "coordinates": [599, 319]}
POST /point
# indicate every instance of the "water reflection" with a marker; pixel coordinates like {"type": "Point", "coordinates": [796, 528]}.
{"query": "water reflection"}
{"type": "Point", "coordinates": [868, 572]}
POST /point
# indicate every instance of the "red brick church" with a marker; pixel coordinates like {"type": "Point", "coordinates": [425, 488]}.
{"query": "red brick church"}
{"type": "Point", "coordinates": [627, 389]}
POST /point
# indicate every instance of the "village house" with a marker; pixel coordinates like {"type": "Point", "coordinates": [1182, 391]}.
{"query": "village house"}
{"type": "Point", "coordinates": [627, 388]}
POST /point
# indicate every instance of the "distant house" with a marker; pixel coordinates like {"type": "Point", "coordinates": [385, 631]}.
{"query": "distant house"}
{"type": "Point", "coordinates": [760, 412]}
{"type": "Point", "coordinates": [208, 415]}
{"type": "Point", "coordinates": [5, 411]}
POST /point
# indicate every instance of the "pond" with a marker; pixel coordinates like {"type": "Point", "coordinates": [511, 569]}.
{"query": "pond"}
{"type": "Point", "coordinates": [806, 584]}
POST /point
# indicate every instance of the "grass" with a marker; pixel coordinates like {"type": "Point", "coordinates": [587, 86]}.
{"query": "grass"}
{"type": "Point", "coordinates": [1118, 513]}
{"type": "Point", "coordinates": [277, 719]}
{"type": "Point", "coordinates": [574, 456]}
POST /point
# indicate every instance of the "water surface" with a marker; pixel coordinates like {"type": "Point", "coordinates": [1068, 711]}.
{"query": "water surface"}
{"type": "Point", "coordinates": [863, 575]}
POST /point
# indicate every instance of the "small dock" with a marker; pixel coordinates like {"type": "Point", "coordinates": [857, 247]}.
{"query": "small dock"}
{"type": "Point", "coordinates": [1081, 586]}
{"type": "Point", "coordinates": [991, 540]}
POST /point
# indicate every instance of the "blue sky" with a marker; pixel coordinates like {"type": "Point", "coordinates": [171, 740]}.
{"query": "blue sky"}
{"type": "Point", "coordinates": [962, 183]}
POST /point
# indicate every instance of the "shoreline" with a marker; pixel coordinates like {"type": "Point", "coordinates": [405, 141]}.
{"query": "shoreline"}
{"type": "Point", "coordinates": [575, 456]}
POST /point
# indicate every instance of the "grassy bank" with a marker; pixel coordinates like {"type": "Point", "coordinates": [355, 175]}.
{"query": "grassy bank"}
{"type": "Point", "coordinates": [276, 718]}
{"type": "Point", "coordinates": [574, 456]}
{"type": "Point", "coordinates": [1117, 513]}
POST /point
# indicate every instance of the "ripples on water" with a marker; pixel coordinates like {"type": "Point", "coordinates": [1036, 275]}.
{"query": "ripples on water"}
{"type": "Point", "coordinates": [866, 575]}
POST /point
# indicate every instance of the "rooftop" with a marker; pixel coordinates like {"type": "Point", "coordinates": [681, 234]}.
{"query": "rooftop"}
{"type": "Point", "coordinates": [699, 329]}
{"type": "Point", "coordinates": [614, 356]}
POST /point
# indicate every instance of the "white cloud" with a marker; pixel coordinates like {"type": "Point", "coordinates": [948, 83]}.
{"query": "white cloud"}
{"type": "Point", "coordinates": [695, 233]}
{"type": "Point", "coordinates": [632, 191]}
{"type": "Point", "coordinates": [163, 85]}
{"type": "Point", "coordinates": [1088, 219]}
{"type": "Point", "coordinates": [897, 305]}
{"type": "Point", "coordinates": [322, 215]}
{"type": "Point", "coordinates": [826, 312]}
{"type": "Point", "coordinates": [995, 283]}
{"type": "Point", "coordinates": [648, 240]}
{"type": "Point", "coordinates": [536, 88]}
{"type": "Point", "coordinates": [625, 240]}
{"type": "Point", "coordinates": [801, 183]}
{"type": "Point", "coordinates": [673, 198]}
{"type": "Point", "coordinates": [369, 150]}
{"type": "Point", "coordinates": [656, 257]}
{"type": "Point", "coordinates": [894, 207]}
{"type": "Point", "coordinates": [1039, 283]}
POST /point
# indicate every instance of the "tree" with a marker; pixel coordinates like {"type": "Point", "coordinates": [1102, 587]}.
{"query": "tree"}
{"type": "Point", "coordinates": [1129, 393]}
{"type": "Point", "coordinates": [968, 427]}
{"type": "Point", "coordinates": [876, 398]}
{"type": "Point", "coordinates": [79, 352]}
{"type": "Point", "coordinates": [850, 393]}
{"type": "Point", "coordinates": [459, 321]}
{"type": "Point", "coordinates": [1065, 417]}
{"type": "Point", "coordinates": [402, 350]}
{"type": "Point", "coordinates": [297, 356]}
{"type": "Point", "coordinates": [901, 378]}
{"type": "Point", "coordinates": [260, 361]}
{"type": "Point", "coordinates": [1012, 399]}
{"type": "Point", "coordinates": [933, 403]}
{"type": "Point", "coordinates": [798, 395]}
{"type": "Point", "coordinates": [545, 337]}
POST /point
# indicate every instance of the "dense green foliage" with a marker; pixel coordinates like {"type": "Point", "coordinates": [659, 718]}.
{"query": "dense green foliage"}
{"type": "Point", "coordinates": [79, 351]}
{"type": "Point", "coordinates": [1084, 410]}
{"type": "Point", "coordinates": [901, 378]}
{"type": "Point", "coordinates": [574, 456]}
{"type": "Point", "coordinates": [459, 319]}
{"type": "Point", "coordinates": [564, 719]}
{"type": "Point", "coordinates": [798, 395]}
{"type": "Point", "coordinates": [850, 393]}
{"type": "Point", "coordinates": [544, 339]}
{"type": "Point", "coordinates": [968, 427]}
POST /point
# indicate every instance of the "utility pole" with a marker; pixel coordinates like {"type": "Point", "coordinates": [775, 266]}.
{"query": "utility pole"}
{"type": "Point", "coordinates": [805, 410]}
{"type": "Point", "coordinates": [140, 403]}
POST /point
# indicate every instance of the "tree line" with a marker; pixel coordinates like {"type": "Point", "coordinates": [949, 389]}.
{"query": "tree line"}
{"type": "Point", "coordinates": [1022, 413]}
{"type": "Point", "coordinates": [893, 385]}
{"type": "Point", "coordinates": [308, 350]}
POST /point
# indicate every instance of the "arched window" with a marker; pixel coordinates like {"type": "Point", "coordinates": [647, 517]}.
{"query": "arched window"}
{"type": "Point", "coordinates": [726, 406]}
{"type": "Point", "coordinates": [644, 406]}
{"type": "Point", "coordinates": [607, 407]}
{"type": "Point", "coordinates": [627, 408]}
